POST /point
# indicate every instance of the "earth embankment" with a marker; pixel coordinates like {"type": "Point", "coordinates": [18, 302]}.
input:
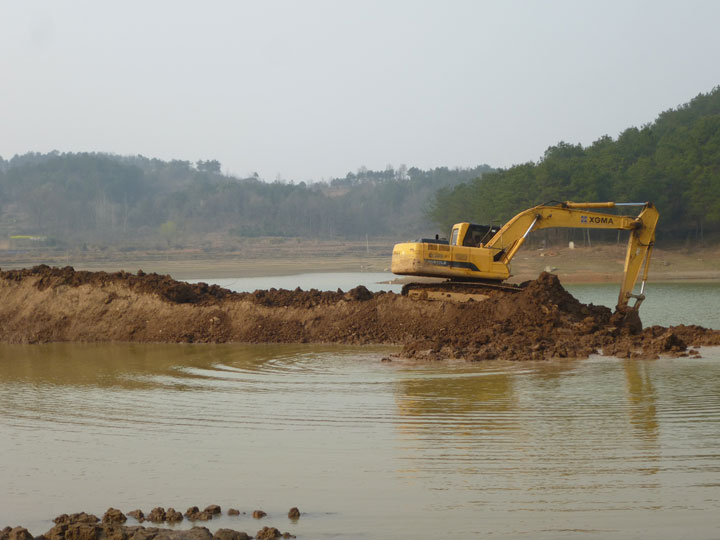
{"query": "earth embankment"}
{"type": "Point", "coordinates": [45, 304]}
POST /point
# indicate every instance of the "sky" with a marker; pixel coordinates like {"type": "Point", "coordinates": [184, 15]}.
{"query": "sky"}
{"type": "Point", "coordinates": [310, 90]}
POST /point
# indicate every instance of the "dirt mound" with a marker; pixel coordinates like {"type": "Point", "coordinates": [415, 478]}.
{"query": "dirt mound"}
{"type": "Point", "coordinates": [163, 286]}
{"type": "Point", "coordinates": [541, 321]}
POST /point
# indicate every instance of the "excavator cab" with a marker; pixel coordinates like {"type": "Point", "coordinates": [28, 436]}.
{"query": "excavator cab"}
{"type": "Point", "coordinates": [471, 234]}
{"type": "Point", "coordinates": [477, 235]}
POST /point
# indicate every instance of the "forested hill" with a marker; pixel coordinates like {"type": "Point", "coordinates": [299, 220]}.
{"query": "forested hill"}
{"type": "Point", "coordinates": [674, 162]}
{"type": "Point", "coordinates": [103, 199]}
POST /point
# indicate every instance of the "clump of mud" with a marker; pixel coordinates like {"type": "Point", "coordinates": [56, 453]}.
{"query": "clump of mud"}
{"type": "Point", "coordinates": [84, 526]}
{"type": "Point", "coordinates": [541, 321]}
{"type": "Point", "coordinates": [305, 299]}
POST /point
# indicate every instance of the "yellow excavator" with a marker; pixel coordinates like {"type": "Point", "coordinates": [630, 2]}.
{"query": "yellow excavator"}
{"type": "Point", "coordinates": [481, 254]}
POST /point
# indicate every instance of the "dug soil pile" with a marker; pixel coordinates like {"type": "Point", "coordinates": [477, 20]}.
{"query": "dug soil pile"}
{"type": "Point", "coordinates": [541, 321]}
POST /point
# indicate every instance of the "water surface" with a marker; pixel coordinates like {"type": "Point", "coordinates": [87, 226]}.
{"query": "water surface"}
{"type": "Point", "coordinates": [596, 448]}
{"type": "Point", "coordinates": [666, 303]}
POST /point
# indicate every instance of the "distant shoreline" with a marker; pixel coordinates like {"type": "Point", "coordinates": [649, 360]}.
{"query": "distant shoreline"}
{"type": "Point", "coordinates": [598, 264]}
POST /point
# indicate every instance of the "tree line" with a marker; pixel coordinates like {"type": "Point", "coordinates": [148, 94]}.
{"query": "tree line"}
{"type": "Point", "coordinates": [673, 162]}
{"type": "Point", "coordinates": [96, 198]}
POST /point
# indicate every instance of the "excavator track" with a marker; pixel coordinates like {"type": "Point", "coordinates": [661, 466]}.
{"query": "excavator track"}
{"type": "Point", "coordinates": [457, 291]}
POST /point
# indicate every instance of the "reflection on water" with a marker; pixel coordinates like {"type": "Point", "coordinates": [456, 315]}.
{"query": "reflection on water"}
{"type": "Point", "coordinates": [595, 448]}
{"type": "Point", "coordinates": [458, 402]}
{"type": "Point", "coordinates": [641, 395]}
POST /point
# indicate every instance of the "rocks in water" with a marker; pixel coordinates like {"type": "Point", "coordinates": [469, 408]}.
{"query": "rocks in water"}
{"type": "Point", "coordinates": [81, 529]}
{"type": "Point", "coordinates": [196, 533]}
{"type": "Point", "coordinates": [17, 533]}
{"type": "Point", "coordinates": [173, 516]}
{"type": "Point", "coordinates": [137, 514]}
{"type": "Point", "coordinates": [156, 515]}
{"type": "Point", "coordinates": [84, 526]}
{"type": "Point", "coordinates": [80, 517]}
{"type": "Point", "coordinates": [259, 514]}
{"type": "Point", "coordinates": [268, 533]}
{"type": "Point", "coordinates": [194, 514]}
{"type": "Point", "coordinates": [213, 509]}
{"type": "Point", "coordinates": [294, 513]}
{"type": "Point", "coordinates": [75, 531]}
{"type": "Point", "coordinates": [229, 534]}
{"type": "Point", "coordinates": [79, 526]}
{"type": "Point", "coordinates": [115, 532]}
{"type": "Point", "coordinates": [233, 512]}
{"type": "Point", "coordinates": [192, 511]}
{"type": "Point", "coordinates": [113, 515]}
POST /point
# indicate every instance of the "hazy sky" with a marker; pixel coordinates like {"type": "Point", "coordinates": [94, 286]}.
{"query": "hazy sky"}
{"type": "Point", "coordinates": [312, 89]}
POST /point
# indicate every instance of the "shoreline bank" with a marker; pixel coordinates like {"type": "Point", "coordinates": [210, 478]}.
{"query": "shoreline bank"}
{"type": "Point", "coordinates": [579, 265]}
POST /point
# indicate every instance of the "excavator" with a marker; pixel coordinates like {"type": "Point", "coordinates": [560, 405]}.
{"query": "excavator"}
{"type": "Point", "coordinates": [477, 257]}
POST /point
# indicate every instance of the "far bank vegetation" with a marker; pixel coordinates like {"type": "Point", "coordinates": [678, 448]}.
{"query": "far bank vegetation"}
{"type": "Point", "coordinates": [105, 201]}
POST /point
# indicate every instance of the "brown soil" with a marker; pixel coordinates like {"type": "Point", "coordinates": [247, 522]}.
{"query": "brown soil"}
{"type": "Point", "coordinates": [543, 321]}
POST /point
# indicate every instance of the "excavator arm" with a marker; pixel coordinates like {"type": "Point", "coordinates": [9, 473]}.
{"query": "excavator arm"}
{"type": "Point", "coordinates": [506, 242]}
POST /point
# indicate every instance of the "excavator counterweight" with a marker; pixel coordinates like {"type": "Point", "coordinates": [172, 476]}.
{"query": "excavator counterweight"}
{"type": "Point", "coordinates": [482, 253]}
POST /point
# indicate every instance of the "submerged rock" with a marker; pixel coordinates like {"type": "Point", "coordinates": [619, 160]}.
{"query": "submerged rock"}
{"type": "Point", "coordinates": [173, 516]}
{"type": "Point", "coordinates": [80, 517]}
{"type": "Point", "coordinates": [229, 534]}
{"type": "Point", "coordinates": [84, 526]}
{"type": "Point", "coordinates": [213, 509]}
{"type": "Point", "coordinates": [113, 515]}
{"type": "Point", "coordinates": [137, 514]}
{"type": "Point", "coordinates": [156, 515]}
{"type": "Point", "coordinates": [16, 533]}
{"type": "Point", "coordinates": [268, 533]}
{"type": "Point", "coordinates": [194, 514]}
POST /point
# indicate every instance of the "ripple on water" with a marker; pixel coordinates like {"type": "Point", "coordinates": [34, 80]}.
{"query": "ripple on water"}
{"type": "Point", "coordinates": [521, 446]}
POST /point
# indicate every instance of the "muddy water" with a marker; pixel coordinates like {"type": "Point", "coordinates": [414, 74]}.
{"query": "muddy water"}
{"type": "Point", "coordinates": [598, 448]}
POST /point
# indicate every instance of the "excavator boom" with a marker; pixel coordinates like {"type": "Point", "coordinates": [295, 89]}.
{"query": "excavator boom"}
{"type": "Point", "coordinates": [483, 253]}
